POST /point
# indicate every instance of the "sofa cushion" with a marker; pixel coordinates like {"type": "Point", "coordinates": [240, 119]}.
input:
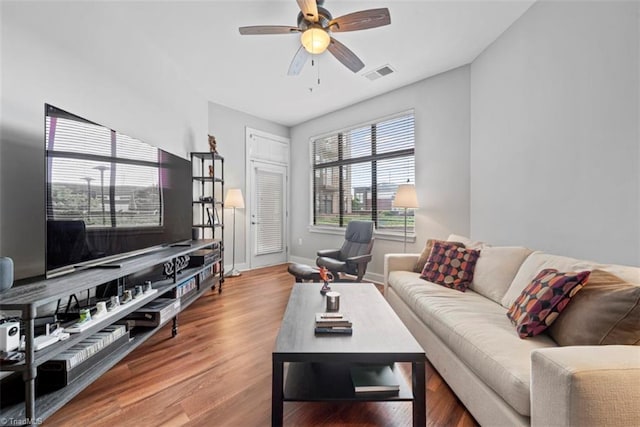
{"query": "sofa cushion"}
{"type": "Point", "coordinates": [424, 256]}
{"type": "Point", "coordinates": [467, 242]}
{"type": "Point", "coordinates": [539, 261]}
{"type": "Point", "coordinates": [496, 268]}
{"type": "Point", "coordinates": [605, 312]}
{"type": "Point", "coordinates": [451, 266]}
{"type": "Point", "coordinates": [542, 301]}
{"type": "Point", "coordinates": [478, 331]}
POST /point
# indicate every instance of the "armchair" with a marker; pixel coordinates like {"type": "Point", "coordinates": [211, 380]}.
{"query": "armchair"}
{"type": "Point", "coordinates": [354, 255]}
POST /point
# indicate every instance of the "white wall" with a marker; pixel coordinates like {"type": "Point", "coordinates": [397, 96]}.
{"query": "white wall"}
{"type": "Point", "coordinates": [119, 80]}
{"type": "Point", "coordinates": [554, 132]}
{"type": "Point", "coordinates": [228, 126]}
{"type": "Point", "coordinates": [441, 105]}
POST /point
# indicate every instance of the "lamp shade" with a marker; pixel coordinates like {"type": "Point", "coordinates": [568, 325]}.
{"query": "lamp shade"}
{"type": "Point", "coordinates": [234, 199]}
{"type": "Point", "coordinates": [406, 197]}
{"type": "Point", "coordinates": [315, 40]}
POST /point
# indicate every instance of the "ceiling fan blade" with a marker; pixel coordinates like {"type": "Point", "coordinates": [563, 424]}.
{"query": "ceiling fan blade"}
{"type": "Point", "coordinates": [268, 29]}
{"type": "Point", "coordinates": [299, 59]}
{"type": "Point", "coordinates": [309, 9]}
{"type": "Point", "coordinates": [361, 20]}
{"type": "Point", "coordinates": [344, 55]}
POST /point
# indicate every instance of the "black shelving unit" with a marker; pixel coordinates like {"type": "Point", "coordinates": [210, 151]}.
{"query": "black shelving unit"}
{"type": "Point", "coordinates": [29, 298]}
{"type": "Point", "coordinates": [208, 196]}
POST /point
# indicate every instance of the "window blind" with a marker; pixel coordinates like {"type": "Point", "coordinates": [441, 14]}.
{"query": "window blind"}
{"type": "Point", "coordinates": [356, 173]}
{"type": "Point", "coordinates": [270, 194]}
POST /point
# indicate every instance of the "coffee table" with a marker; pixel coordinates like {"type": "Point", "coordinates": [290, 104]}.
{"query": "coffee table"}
{"type": "Point", "coordinates": [310, 368]}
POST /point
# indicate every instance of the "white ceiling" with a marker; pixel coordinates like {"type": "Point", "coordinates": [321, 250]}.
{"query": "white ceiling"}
{"type": "Point", "coordinates": [198, 43]}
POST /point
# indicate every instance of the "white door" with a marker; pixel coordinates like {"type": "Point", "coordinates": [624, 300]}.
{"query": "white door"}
{"type": "Point", "coordinates": [268, 214]}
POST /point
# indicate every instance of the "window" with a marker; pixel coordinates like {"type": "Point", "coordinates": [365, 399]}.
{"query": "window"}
{"type": "Point", "coordinates": [356, 173]}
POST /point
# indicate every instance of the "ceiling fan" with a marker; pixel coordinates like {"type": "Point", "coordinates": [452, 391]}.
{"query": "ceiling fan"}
{"type": "Point", "coordinates": [316, 25]}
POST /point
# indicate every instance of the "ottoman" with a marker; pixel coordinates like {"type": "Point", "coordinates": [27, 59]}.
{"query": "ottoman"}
{"type": "Point", "coordinates": [304, 272]}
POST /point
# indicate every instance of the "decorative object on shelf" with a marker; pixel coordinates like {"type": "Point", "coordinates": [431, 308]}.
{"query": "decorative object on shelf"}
{"type": "Point", "coordinates": [101, 310]}
{"type": "Point", "coordinates": [167, 269]}
{"type": "Point", "coordinates": [147, 286]}
{"type": "Point", "coordinates": [212, 144]}
{"type": "Point", "coordinates": [211, 171]}
{"type": "Point", "coordinates": [213, 217]}
{"type": "Point", "coordinates": [137, 291]}
{"type": "Point", "coordinates": [234, 200]}
{"type": "Point", "coordinates": [9, 335]}
{"type": "Point", "coordinates": [326, 277]}
{"type": "Point", "coordinates": [85, 315]}
{"type": "Point", "coordinates": [114, 303]}
{"type": "Point", "coordinates": [181, 263]}
{"type": "Point", "coordinates": [127, 297]}
{"type": "Point", "coordinates": [406, 198]}
{"type": "Point", "coordinates": [6, 273]}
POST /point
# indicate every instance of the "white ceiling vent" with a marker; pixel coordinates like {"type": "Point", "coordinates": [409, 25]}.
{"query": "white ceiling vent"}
{"type": "Point", "coordinates": [385, 70]}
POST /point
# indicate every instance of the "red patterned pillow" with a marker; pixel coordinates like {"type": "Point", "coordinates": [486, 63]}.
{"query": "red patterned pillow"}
{"type": "Point", "coordinates": [451, 266]}
{"type": "Point", "coordinates": [542, 301]}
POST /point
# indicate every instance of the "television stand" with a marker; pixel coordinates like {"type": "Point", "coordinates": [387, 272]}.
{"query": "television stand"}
{"type": "Point", "coordinates": [181, 245]}
{"type": "Point", "coordinates": [109, 265]}
{"type": "Point", "coordinates": [29, 297]}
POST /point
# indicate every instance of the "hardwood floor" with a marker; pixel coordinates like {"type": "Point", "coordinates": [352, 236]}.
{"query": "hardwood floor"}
{"type": "Point", "coordinates": [217, 372]}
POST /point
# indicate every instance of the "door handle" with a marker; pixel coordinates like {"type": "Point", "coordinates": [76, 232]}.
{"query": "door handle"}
{"type": "Point", "coordinates": [254, 222]}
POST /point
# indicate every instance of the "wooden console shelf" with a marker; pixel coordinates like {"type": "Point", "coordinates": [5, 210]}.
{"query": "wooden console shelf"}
{"type": "Point", "coordinates": [28, 298]}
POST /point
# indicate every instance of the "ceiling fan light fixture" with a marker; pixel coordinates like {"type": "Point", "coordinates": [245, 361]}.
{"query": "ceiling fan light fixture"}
{"type": "Point", "coordinates": [315, 40]}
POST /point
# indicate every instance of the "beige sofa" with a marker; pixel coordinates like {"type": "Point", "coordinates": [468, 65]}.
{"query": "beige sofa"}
{"type": "Point", "coordinates": [504, 380]}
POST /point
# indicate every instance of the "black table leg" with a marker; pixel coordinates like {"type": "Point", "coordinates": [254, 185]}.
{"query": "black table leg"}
{"type": "Point", "coordinates": [418, 386]}
{"type": "Point", "coordinates": [277, 394]}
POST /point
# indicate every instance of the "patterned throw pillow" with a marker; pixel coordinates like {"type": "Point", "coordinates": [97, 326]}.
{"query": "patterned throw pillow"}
{"type": "Point", "coordinates": [450, 266]}
{"type": "Point", "coordinates": [424, 256]}
{"type": "Point", "coordinates": [542, 301]}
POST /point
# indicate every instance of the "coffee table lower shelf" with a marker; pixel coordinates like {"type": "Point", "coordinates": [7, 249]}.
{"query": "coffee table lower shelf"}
{"type": "Point", "coordinates": [315, 382]}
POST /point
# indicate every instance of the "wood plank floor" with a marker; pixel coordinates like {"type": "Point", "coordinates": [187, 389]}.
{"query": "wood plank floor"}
{"type": "Point", "coordinates": [217, 372]}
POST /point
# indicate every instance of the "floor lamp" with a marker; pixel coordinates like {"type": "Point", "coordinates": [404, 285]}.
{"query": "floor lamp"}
{"type": "Point", "coordinates": [406, 198]}
{"type": "Point", "coordinates": [234, 200]}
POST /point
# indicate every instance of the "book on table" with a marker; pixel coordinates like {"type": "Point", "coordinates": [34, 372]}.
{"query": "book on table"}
{"type": "Point", "coordinates": [374, 379]}
{"type": "Point", "coordinates": [335, 330]}
{"type": "Point", "coordinates": [331, 320]}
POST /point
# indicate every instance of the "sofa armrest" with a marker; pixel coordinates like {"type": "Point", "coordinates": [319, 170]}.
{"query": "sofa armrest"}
{"type": "Point", "coordinates": [585, 386]}
{"type": "Point", "coordinates": [394, 262]}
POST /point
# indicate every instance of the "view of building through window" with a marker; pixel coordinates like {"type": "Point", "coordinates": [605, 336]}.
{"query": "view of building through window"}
{"type": "Point", "coordinates": [356, 174]}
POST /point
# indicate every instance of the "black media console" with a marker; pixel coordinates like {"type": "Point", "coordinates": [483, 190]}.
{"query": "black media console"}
{"type": "Point", "coordinates": [184, 287]}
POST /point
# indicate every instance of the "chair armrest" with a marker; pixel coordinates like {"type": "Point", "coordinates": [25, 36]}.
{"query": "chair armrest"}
{"type": "Point", "coordinates": [329, 253]}
{"type": "Point", "coordinates": [359, 259]}
{"type": "Point", "coordinates": [585, 386]}
{"type": "Point", "coordinates": [395, 262]}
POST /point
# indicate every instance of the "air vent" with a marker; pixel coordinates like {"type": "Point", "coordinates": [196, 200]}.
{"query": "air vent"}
{"type": "Point", "coordinates": [385, 70]}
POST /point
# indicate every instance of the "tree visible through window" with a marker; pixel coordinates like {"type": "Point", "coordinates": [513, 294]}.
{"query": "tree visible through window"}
{"type": "Point", "coordinates": [356, 173]}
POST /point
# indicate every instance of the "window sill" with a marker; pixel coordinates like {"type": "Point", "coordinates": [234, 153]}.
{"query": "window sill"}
{"type": "Point", "coordinates": [381, 235]}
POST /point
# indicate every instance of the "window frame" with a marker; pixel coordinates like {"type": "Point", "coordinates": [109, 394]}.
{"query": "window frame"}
{"type": "Point", "coordinates": [339, 230]}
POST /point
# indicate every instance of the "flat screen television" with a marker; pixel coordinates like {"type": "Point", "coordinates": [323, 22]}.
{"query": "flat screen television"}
{"type": "Point", "coordinates": [109, 195]}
